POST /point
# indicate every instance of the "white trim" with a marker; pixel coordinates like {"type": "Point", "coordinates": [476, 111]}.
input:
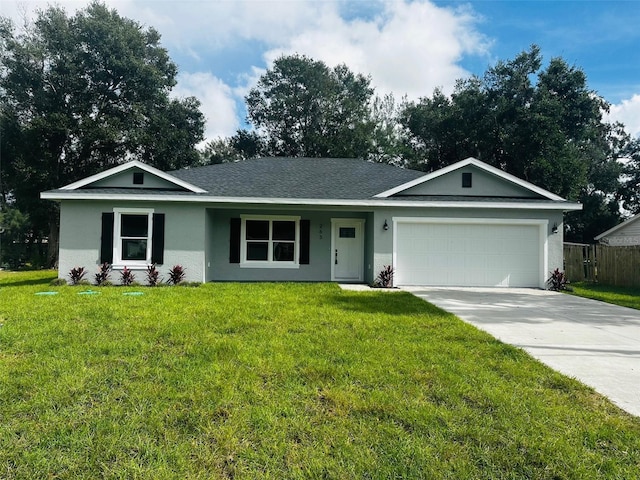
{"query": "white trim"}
{"type": "Point", "coordinates": [127, 166]}
{"type": "Point", "coordinates": [617, 227]}
{"type": "Point", "coordinates": [543, 227]}
{"type": "Point", "coordinates": [477, 163]}
{"type": "Point", "coordinates": [568, 206]}
{"type": "Point", "coordinates": [338, 222]}
{"type": "Point", "coordinates": [269, 263]}
{"type": "Point", "coordinates": [118, 262]}
{"type": "Point", "coordinates": [130, 266]}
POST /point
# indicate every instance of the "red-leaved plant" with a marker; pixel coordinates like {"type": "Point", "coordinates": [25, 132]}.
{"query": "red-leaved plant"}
{"type": "Point", "coordinates": [127, 277]}
{"type": "Point", "coordinates": [385, 278]}
{"type": "Point", "coordinates": [102, 277]}
{"type": "Point", "coordinates": [153, 275]}
{"type": "Point", "coordinates": [176, 275]}
{"type": "Point", "coordinates": [557, 281]}
{"type": "Point", "coordinates": [76, 275]}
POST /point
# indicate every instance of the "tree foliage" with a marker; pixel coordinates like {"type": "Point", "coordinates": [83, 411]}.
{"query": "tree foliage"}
{"type": "Point", "coordinates": [388, 143]}
{"type": "Point", "coordinates": [83, 93]}
{"type": "Point", "coordinates": [543, 125]}
{"type": "Point", "coordinates": [303, 108]}
{"type": "Point", "coordinates": [15, 248]}
{"type": "Point", "coordinates": [630, 188]}
{"type": "Point", "coordinates": [243, 145]}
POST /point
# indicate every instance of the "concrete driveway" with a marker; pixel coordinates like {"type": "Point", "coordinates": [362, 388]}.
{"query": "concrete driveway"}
{"type": "Point", "coordinates": [594, 342]}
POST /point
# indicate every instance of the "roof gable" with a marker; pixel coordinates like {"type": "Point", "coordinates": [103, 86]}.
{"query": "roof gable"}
{"type": "Point", "coordinates": [628, 227]}
{"type": "Point", "coordinates": [487, 181]}
{"type": "Point", "coordinates": [122, 176]}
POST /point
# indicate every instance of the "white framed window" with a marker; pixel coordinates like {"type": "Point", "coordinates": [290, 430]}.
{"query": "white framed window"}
{"type": "Point", "coordinates": [269, 241]}
{"type": "Point", "coordinates": [132, 235]}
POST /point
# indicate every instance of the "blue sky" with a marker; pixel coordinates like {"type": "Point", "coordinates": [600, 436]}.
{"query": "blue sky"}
{"type": "Point", "coordinates": [407, 47]}
{"type": "Point", "coordinates": [601, 37]}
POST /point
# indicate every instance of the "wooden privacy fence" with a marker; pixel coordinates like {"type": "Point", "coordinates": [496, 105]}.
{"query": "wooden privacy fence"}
{"type": "Point", "coordinates": [603, 264]}
{"type": "Point", "coordinates": [618, 265]}
{"type": "Point", "coordinates": [580, 262]}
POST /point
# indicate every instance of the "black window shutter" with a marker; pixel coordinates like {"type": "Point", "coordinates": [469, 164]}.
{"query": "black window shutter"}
{"type": "Point", "coordinates": [157, 241]}
{"type": "Point", "coordinates": [305, 237]}
{"type": "Point", "coordinates": [234, 240]}
{"type": "Point", "coordinates": [106, 240]}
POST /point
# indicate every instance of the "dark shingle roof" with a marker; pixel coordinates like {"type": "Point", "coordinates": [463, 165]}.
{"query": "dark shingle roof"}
{"type": "Point", "coordinates": [279, 177]}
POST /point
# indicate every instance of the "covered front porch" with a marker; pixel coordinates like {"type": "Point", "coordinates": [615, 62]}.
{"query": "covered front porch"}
{"type": "Point", "coordinates": [258, 243]}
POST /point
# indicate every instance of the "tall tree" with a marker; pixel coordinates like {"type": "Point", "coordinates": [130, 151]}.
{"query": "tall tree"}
{"type": "Point", "coordinates": [304, 108]}
{"type": "Point", "coordinates": [388, 142]}
{"type": "Point", "coordinates": [630, 185]}
{"type": "Point", "coordinates": [84, 93]}
{"type": "Point", "coordinates": [543, 125]}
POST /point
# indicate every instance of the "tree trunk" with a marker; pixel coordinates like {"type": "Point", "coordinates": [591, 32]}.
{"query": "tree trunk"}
{"type": "Point", "coordinates": [54, 239]}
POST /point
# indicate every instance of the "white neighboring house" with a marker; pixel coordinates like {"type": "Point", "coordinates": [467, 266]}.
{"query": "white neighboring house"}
{"type": "Point", "coordinates": [626, 233]}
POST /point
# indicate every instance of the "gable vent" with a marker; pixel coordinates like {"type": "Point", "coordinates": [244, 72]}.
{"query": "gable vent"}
{"type": "Point", "coordinates": [466, 180]}
{"type": "Point", "coordinates": [138, 178]}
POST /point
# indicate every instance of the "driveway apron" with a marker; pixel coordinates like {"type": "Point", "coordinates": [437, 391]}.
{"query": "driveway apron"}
{"type": "Point", "coordinates": [594, 342]}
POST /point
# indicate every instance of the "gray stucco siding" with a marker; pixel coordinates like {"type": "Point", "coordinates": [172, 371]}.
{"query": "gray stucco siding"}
{"type": "Point", "coordinates": [197, 236]}
{"type": "Point", "coordinates": [80, 225]}
{"type": "Point", "coordinates": [125, 180]}
{"type": "Point", "coordinates": [219, 268]}
{"type": "Point", "coordinates": [483, 184]}
{"type": "Point", "coordinates": [80, 233]}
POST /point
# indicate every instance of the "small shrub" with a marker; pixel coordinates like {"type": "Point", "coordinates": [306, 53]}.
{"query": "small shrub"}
{"type": "Point", "coordinates": [57, 282]}
{"type": "Point", "coordinates": [77, 274]}
{"type": "Point", "coordinates": [102, 277]}
{"type": "Point", "coordinates": [153, 275]}
{"type": "Point", "coordinates": [385, 278]}
{"type": "Point", "coordinates": [176, 275]}
{"type": "Point", "coordinates": [127, 277]}
{"type": "Point", "coordinates": [557, 281]}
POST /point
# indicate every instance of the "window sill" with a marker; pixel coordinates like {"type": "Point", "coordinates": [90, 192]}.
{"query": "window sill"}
{"type": "Point", "coordinates": [269, 265]}
{"type": "Point", "coordinates": [130, 266]}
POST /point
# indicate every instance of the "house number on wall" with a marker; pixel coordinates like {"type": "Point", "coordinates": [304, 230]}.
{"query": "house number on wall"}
{"type": "Point", "coordinates": [320, 231]}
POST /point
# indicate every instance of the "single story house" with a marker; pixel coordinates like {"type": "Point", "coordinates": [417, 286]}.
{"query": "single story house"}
{"type": "Point", "coordinates": [315, 219]}
{"type": "Point", "coordinates": [624, 234]}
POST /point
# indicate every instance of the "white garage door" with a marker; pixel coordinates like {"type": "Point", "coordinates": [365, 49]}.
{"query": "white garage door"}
{"type": "Point", "coordinates": [467, 254]}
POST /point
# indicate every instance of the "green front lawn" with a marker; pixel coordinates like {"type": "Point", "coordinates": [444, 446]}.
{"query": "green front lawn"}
{"type": "Point", "coordinates": [624, 296]}
{"type": "Point", "coordinates": [282, 381]}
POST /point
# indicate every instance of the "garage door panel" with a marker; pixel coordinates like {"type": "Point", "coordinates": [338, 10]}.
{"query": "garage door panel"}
{"type": "Point", "coordinates": [467, 254]}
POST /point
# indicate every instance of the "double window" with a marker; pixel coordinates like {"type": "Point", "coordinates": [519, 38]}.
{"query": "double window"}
{"type": "Point", "coordinates": [270, 241]}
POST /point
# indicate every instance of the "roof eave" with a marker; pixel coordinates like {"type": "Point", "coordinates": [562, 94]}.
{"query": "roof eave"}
{"type": "Point", "coordinates": [374, 202]}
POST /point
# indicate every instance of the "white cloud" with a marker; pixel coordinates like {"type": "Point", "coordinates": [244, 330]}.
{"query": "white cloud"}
{"type": "Point", "coordinates": [628, 113]}
{"type": "Point", "coordinates": [409, 48]}
{"type": "Point", "coordinates": [195, 25]}
{"type": "Point", "coordinates": [217, 98]}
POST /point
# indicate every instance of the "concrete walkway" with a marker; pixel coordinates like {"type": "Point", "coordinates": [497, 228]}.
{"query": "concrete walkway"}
{"type": "Point", "coordinates": [597, 343]}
